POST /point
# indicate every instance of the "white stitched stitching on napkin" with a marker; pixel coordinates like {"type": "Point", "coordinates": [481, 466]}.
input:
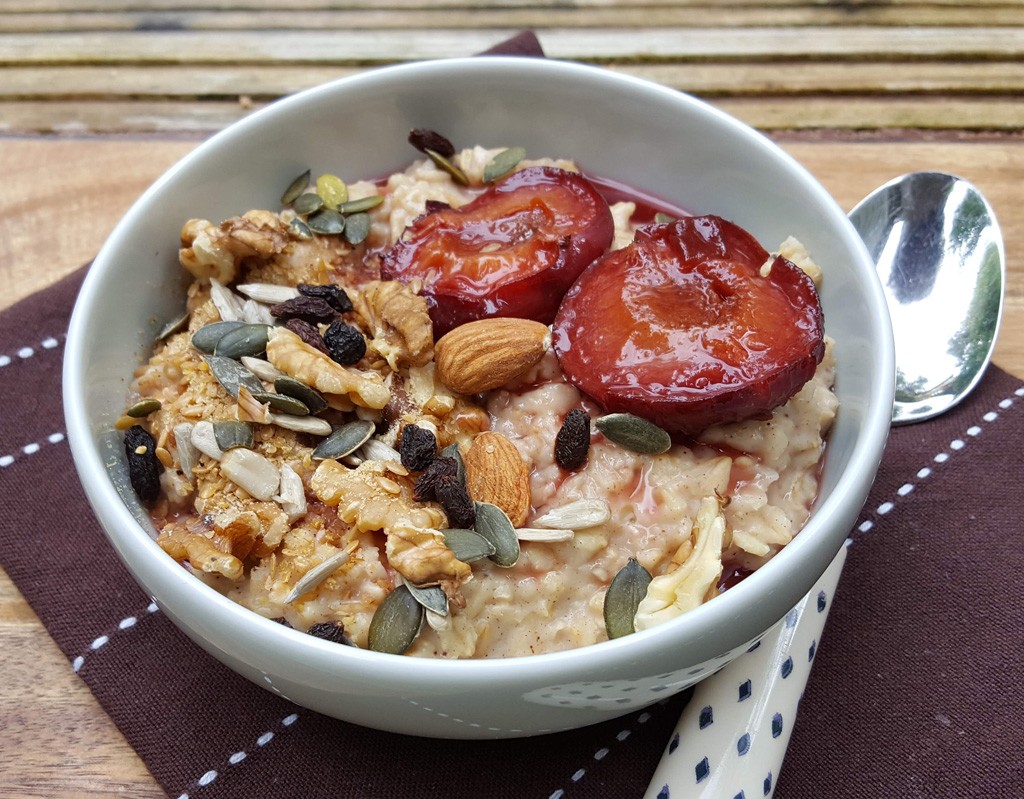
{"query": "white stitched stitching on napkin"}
{"type": "Point", "coordinates": [24, 353]}
{"type": "Point", "coordinates": [102, 640]}
{"type": "Point", "coordinates": [30, 449]}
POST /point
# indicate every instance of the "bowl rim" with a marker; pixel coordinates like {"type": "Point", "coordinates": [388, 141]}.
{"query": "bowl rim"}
{"type": "Point", "coordinates": [163, 577]}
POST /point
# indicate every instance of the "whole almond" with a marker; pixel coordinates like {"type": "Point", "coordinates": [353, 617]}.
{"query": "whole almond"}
{"type": "Point", "coordinates": [482, 355]}
{"type": "Point", "coordinates": [496, 473]}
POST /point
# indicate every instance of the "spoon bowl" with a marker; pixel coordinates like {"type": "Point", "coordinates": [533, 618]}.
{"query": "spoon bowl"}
{"type": "Point", "coordinates": [940, 259]}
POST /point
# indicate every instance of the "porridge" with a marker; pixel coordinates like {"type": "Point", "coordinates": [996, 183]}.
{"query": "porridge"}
{"type": "Point", "coordinates": [405, 415]}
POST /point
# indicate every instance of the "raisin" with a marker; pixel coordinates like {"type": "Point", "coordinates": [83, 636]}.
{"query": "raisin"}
{"type": "Point", "coordinates": [433, 206]}
{"type": "Point", "coordinates": [439, 468]}
{"type": "Point", "coordinates": [143, 466]}
{"type": "Point", "coordinates": [335, 296]}
{"type": "Point", "coordinates": [573, 440]}
{"type": "Point", "coordinates": [283, 622]}
{"type": "Point", "coordinates": [418, 447]}
{"type": "Point", "coordinates": [308, 333]}
{"type": "Point", "coordinates": [333, 631]}
{"type": "Point", "coordinates": [309, 309]}
{"type": "Point", "coordinates": [423, 139]}
{"type": "Point", "coordinates": [440, 482]}
{"type": "Point", "coordinates": [345, 344]}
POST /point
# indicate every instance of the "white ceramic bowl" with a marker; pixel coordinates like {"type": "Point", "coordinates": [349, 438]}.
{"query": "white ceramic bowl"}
{"type": "Point", "coordinates": [641, 134]}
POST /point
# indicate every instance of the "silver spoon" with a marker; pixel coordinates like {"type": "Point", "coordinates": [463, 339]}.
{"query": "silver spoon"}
{"type": "Point", "coordinates": [939, 254]}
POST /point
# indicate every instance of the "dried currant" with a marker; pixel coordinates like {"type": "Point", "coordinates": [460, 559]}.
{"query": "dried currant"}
{"type": "Point", "coordinates": [335, 296]}
{"type": "Point", "coordinates": [418, 447]}
{"type": "Point", "coordinates": [345, 344]}
{"type": "Point", "coordinates": [143, 466]}
{"type": "Point", "coordinates": [440, 482]}
{"type": "Point", "coordinates": [433, 206]}
{"type": "Point", "coordinates": [439, 469]}
{"type": "Point", "coordinates": [333, 631]}
{"type": "Point", "coordinates": [308, 333]}
{"type": "Point", "coordinates": [309, 309]}
{"type": "Point", "coordinates": [283, 622]}
{"type": "Point", "coordinates": [573, 440]}
{"type": "Point", "coordinates": [424, 139]}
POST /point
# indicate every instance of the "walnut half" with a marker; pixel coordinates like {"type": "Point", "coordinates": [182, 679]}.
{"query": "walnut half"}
{"type": "Point", "coordinates": [399, 321]}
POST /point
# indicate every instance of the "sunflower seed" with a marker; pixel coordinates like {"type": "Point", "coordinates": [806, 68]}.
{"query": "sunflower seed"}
{"type": "Point", "coordinates": [310, 397]}
{"type": "Point", "coordinates": [432, 597]}
{"type": "Point", "coordinates": [357, 228]}
{"type": "Point", "coordinates": [436, 621]}
{"type": "Point", "coordinates": [445, 165]}
{"type": "Point", "coordinates": [376, 450]}
{"type": "Point", "coordinates": [548, 535]}
{"type": "Point", "coordinates": [623, 597]}
{"type": "Point", "coordinates": [308, 203]}
{"type": "Point", "coordinates": [205, 338]}
{"type": "Point", "coordinates": [292, 494]}
{"type": "Point", "coordinates": [578, 515]}
{"type": "Point", "coordinates": [452, 451]}
{"type": "Point", "coordinates": [204, 440]}
{"type": "Point", "coordinates": [245, 340]}
{"type": "Point", "coordinates": [503, 163]}
{"type": "Point", "coordinates": [144, 407]}
{"type": "Point", "coordinates": [264, 370]}
{"type": "Point", "coordinates": [362, 204]}
{"type": "Point", "coordinates": [268, 292]}
{"type": "Point", "coordinates": [226, 301]}
{"type": "Point", "coordinates": [326, 221]}
{"type": "Point", "coordinates": [282, 403]}
{"type": "Point", "coordinates": [634, 433]}
{"type": "Point", "coordinates": [300, 229]}
{"type": "Point", "coordinates": [295, 188]}
{"type": "Point", "coordinates": [467, 545]}
{"type": "Point", "coordinates": [176, 324]}
{"type": "Point", "coordinates": [256, 313]}
{"type": "Point", "coordinates": [317, 575]}
{"type": "Point", "coordinates": [302, 424]}
{"type": "Point", "coordinates": [346, 439]}
{"type": "Point", "coordinates": [188, 455]}
{"type": "Point", "coordinates": [493, 524]}
{"type": "Point", "coordinates": [332, 190]}
{"type": "Point", "coordinates": [396, 623]}
{"type": "Point", "coordinates": [249, 470]}
{"type": "Point", "coordinates": [231, 374]}
{"type": "Point", "coordinates": [231, 434]}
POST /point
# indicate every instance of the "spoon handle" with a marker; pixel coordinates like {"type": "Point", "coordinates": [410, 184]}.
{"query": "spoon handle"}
{"type": "Point", "coordinates": [732, 736]}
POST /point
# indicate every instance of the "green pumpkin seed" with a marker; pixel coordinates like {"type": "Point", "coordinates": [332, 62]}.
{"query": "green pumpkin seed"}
{"type": "Point", "coordinates": [282, 403]}
{"type": "Point", "coordinates": [452, 451]}
{"type": "Point", "coordinates": [205, 338]}
{"type": "Point", "coordinates": [345, 440]}
{"type": "Point", "coordinates": [308, 203]}
{"type": "Point", "coordinates": [357, 228]}
{"type": "Point", "coordinates": [634, 433]}
{"type": "Point", "coordinates": [327, 222]}
{"type": "Point", "coordinates": [300, 229]}
{"type": "Point", "coordinates": [144, 407]}
{"type": "Point", "coordinates": [362, 204]}
{"type": "Point", "coordinates": [231, 374]}
{"type": "Point", "coordinates": [396, 623]}
{"type": "Point", "coordinates": [176, 324]}
{"type": "Point", "coordinates": [245, 340]}
{"type": "Point", "coordinates": [623, 597]}
{"type": "Point", "coordinates": [466, 545]}
{"type": "Point", "coordinates": [432, 598]}
{"type": "Point", "coordinates": [230, 434]}
{"type": "Point", "coordinates": [503, 163]}
{"type": "Point", "coordinates": [310, 397]}
{"type": "Point", "coordinates": [332, 190]}
{"type": "Point", "coordinates": [663, 219]}
{"type": "Point", "coordinates": [494, 525]}
{"type": "Point", "coordinates": [295, 188]}
{"type": "Point", "coordinates": [445, 165]}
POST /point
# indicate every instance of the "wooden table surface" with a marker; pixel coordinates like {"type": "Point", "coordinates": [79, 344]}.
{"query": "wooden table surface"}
{"type": "Point", "coordinates": [99, 97]}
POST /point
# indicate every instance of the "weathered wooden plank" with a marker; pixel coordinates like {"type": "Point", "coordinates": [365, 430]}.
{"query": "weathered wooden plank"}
{"type": "Point", "coordinates": [766, 113]}
{"type": "Point", "coordinates": [535, 17]}
{"type": "Point", "coordinates": [713, 80]}
{"type": "Point", "coordinates": [603, 45]}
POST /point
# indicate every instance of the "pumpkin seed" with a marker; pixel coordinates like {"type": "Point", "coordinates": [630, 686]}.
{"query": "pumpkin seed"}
{"type": "Point", "coordinates": [357, 228]}
{"type": "Point", "coordinates": [362, 204]}
{"type": "Point", "coordinates": [494, 525]}
{"type": "Point", "coordinates": [249, 470]}
{"type": "Point", "coordinates": [230, 434]}
{"type": "Point", "coordinates": [188, 455]}
{"type": "Point", "coordinates": [292, 494]}
{"type": "Point", "coordinates": [326, 221]}
{"type": "Point", "coordinates": [317, 575]}
{"type": "Point", "coordinates": [204, 440]}
{"type": "Point", "coordinates": [452, 451]}
{"type": "Point", "coordinates": [467, 545]}
{"type": "Point", "coordinates": [231, 374]}
{"type": "Point", "coordinates": [445, 165]}
{"type": "Point", "coordinates": [144, 407]}
{"type": "Point", "coordinates": [264, 370]}
{"type": "Point", "coordinates": [332, 190]}
{"type": "Point", "coordinates": [503, 163]}
{"type": "Point", "coordinates": [432, 598]}
{"type": "Point", "coordinates": [310, 397]}
{"type": "Point", "coordinates": [634, 433]}
{"type": "Point", "coordinates": [663, 219]}
{"type": "Point", "coordinates": [176, 324]}
{"type": "Point", "coordinates": [244, 340]}
{"type": "Point", "coordinates": [545, 534]}
{"type": "Point", "coordinates": [300, 229]}
{"type": "Point", "coordinates": [282, 403]}
{"type": "Point", "coordinates": [205, 338]}
{"type": "Point", "coordinates": [437, 621]}
{"type": "Point", "coordinates": [308, 203]}
{"type": "Point", "coordinates": [346, 439]}
{"type": "Point", "coordinates": [227, 303]}
{"type": "Point", "coordinates": [623, 597]}
{"type": "Point", "coordinates": [302, 424]}
{"type": "Point", "coordinates": [578, 515]}
{"type": "Point", "coordinates": [271, 293]}
{"type": "Point", "coordinates": [295, 188]}
{"type": "Point", "coordinates": [396, 623]}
